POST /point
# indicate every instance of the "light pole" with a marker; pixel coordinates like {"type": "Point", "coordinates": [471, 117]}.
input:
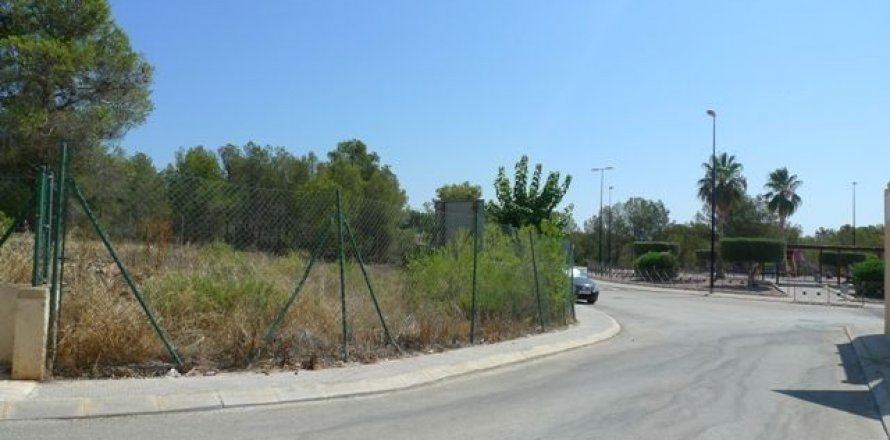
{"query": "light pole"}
{"type": "Point", "coordinates": [602, 172]}
{"type": "Point", "coordinates": [713, 116]}
{"type": "Point", "coordinates": [854, 213]}
{"type": "Point", "coordinates": [609, 237]}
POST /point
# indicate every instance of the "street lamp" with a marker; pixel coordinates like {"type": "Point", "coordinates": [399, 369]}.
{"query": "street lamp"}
{"type": "Point", "coordinates": [609, 237]}
{"type": "Point", "coordinates": [713, 116]}
{"type": "Point", "coordinates": [602, 172]}
{"type": "Point", "coordinates": [854, 213]}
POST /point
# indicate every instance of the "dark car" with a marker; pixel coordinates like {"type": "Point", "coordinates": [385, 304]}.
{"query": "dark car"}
{"type": "Point", "coordinates": [585, 289]}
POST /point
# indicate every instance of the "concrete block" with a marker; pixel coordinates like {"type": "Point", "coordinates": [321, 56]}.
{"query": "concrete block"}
{"type": "Point", "coordinates": [29, 342]}
{"type": "Point", "coordinates": [46, 409]}
{"type": "Point", "coordinates": [8, 297]}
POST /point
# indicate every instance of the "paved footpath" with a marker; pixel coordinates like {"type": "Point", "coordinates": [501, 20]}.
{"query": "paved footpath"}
{"type": "Point", "coordinates": [21, 400]}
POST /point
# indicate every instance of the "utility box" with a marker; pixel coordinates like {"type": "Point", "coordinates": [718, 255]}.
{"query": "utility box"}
{"type": "Point", "coordinates": [452, 216]}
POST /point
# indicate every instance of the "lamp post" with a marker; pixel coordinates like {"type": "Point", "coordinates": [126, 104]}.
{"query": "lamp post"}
{"type": "Point", "coordinates": [713, 116]}
{"type": "Point", "coordinates": [609, 237]}
{"type": "Point", "coordinates": [602, 172]}
{"type": "Point", "coordinates": [854, 213]}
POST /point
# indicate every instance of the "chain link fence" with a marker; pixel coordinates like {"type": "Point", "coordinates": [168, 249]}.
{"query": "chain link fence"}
{"type": "Point", "coordinates": [235, 277]}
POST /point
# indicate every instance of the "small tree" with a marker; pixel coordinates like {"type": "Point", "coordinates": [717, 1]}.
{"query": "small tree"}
{"type": "Point", "coordinates": [528, 203]}
{"type": "Point", "coordinates": [459, 191]}
{"type": "Point", "coordinates": [751, 252]}
{"type": "Point", "coordinates": [841, 260]}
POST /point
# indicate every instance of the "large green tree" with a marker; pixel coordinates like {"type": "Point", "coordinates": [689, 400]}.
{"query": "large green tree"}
{"type": "Point", "coordinates": [526, 203]}
{"type": "Point", "coordinates": [781, 196]}
{"type": "Point", "coordinates": [67, 73]}
{"type": "Point", "coordinates": [730, 184]}
{"type": "Point", "coordinates": [647, 218]}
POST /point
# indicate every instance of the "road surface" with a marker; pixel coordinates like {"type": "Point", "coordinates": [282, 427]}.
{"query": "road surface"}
{"type": "Point", "coordinates": [684, 367]}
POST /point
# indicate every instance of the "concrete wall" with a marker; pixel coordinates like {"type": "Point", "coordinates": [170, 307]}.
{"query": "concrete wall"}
{"type": "Point", "coordinates": [24, 317]}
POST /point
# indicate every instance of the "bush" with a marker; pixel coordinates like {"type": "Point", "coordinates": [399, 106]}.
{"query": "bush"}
{"type": "Point", "coordinates": [643, 247]}
{"type": "Point", "coordinates": [841, 259]}
{"type": "Point", "coordinates": [5, 222]}
{"type": "Point", "coordinates": [868, 277]}
{"type": "Point", "coordinates": [664, 264]}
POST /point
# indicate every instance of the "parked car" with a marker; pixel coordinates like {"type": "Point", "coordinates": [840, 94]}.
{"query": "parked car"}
{"type": "Point", "coordinates": [585, 289]}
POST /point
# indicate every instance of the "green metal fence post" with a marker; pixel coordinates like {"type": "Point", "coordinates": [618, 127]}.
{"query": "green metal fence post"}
{"type": "Point", "coordinates": [47, 226]}
{"type": "Point", "coordinates": [273, 329]}
{"type": "Point", "coordinates": [531, 242]}
{"type": "Point", "coordinates": [341, 258]}
{"type": "Point", "coordinates": [58, 234]}
{"type": "Point", "coordinates": [571, 294]}
{"type": "Point", "coordinates": [361, 262]}
{"type": "Point", "coordinates": [474, 312]}
{"type": "Point", "coordinates": [39, 218]}
{"type": "Point", "coordinates": [126, 274]}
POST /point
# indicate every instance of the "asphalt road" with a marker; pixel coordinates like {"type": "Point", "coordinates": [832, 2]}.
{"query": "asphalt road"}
{"type": "Point", "coordinates": [684, 367]}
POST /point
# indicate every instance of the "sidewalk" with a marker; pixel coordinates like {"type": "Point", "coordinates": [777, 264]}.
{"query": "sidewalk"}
{"type": "Point", "coordinates": [873, 350]}
{"type": "Point", "coordinates": [101, 398]}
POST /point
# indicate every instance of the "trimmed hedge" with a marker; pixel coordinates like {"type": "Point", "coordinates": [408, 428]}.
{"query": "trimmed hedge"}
{"type": "Point", "coordinates": [665, 264]}
{"type": "Point", "coordinates": [868, 277]}
{"type": "Point", "coordinates": [841, 259]}
{"type": "Point", "coordinates": [752, 250]}
{"type": "Point", "coordinates": [643, 247]}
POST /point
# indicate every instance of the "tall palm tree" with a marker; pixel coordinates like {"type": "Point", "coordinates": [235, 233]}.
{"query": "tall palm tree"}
{"type": "Point", "coordinates": [782, 198]}
{"type": "Point", "coordinates": [730, 184]}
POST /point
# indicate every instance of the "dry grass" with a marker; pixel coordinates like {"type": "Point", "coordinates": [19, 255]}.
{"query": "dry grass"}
{"type": "Point", "coordinates": [217, 303]}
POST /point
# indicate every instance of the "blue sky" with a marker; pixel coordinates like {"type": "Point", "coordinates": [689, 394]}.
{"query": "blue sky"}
{"type": "Point", "coordinates": [449, 91]}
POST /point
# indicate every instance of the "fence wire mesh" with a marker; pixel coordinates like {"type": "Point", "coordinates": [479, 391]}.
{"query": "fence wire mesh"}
{"type": "Point", "coordinates": [240, 276]}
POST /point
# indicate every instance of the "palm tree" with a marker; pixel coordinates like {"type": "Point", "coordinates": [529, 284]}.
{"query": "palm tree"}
{"type": "Point", "coordinates": [782, 198]}
{"type": "Point", "coordinates": [731, 185]}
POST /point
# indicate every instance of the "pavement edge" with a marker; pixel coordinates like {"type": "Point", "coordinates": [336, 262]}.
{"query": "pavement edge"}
{"type": "Point", "coordinates": [877, 383]}
{"type": "Point", "coordinates": [157, 404]}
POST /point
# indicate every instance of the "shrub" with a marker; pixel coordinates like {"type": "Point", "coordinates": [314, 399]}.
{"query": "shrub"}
{"type": "Point", "coordinates": [752, 251]}
{"type": "Point", "coordinates": [868, 277]}
{"type": "Point", "coordinates": [644, 247]}
{"type": "Point", "coordinates": [5, 222]}
{"type": "Point", "coordinates": [664, 264]}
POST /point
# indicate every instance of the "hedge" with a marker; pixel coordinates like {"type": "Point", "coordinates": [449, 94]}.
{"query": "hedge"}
{"type": "Point", "coordinates": [752, 250]}
{"type": "Point", "coordinates": [841, 259]}
{"type": "Point", "coordinates": [643, 247]}
{"type": "Point", "coordinates": [665, 264]}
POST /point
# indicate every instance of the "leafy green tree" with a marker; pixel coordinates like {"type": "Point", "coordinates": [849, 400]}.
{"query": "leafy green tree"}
{"type": "Point", "coordinates": [730, 185]}
{"type": "Point", "coordinates": [781, 194]}
{"type": "Point", "coordinates": [647, 218]}
{"type": "Point", "coordinates": [527, 203]}
{"type": "Point", "coordinates": [67, 72]}
{"type": "Point", "coordinates": [459, 191]}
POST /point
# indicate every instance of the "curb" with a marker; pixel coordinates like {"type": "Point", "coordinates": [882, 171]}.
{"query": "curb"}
{"type": "Point", "coordinates": [878, 386]}
{"type": "Point", "coordinates": [75, 408]}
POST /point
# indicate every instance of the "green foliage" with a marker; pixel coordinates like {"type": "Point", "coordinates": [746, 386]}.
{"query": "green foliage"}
{"type": "Point", "coordinates": [5, 222]}
{"type": "Point", "coordinates": [752, 250]}
{"type": "Point", "coordinates": [841, 259]}
{"type": "Point", "coordinates": [647, 218]}
{"type": "Point", "coordinates": [868, 277]}
{"type": "Point", "coordinates": [868, 236]}
{"type": "Point", "coordinates": [729, 183]}
{"type": "Point", "coordinates": [443, 278]}
{"type": "Point", "coordinates": [67, 72]}
{"type": "Point", "coordinates": [782, 198]}
{"type": "Point", "coordinates": [459, 191]}
{"type": "Point", "coordinates": [664, 264]}
{"type": "Point", "coordinates": [527, 203]}
{"type": "Point", "coordinates": [644, 247]}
